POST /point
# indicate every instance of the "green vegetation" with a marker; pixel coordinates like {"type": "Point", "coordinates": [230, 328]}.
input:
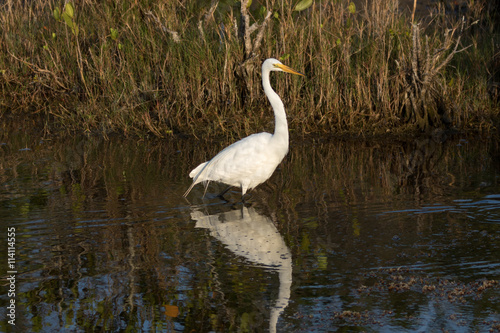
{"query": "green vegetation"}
{"type": "Point", "coordinates": [181, 67]}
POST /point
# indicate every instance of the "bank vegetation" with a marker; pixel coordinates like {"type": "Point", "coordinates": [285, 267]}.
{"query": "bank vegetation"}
{"type": "Point", "coordinates": [193, 67]}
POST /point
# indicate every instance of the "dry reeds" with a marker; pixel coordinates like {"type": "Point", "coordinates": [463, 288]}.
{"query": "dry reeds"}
{"type": "Point", "coordinates": [424, 104]}
{"type": "Point", "coordinates": [165, 68]}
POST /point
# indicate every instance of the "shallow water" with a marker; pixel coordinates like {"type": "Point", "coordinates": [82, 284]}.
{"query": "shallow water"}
{"type": "Point", "coordinates": [346, 236]}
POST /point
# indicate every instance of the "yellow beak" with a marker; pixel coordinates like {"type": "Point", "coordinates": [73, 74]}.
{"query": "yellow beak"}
{"type": "Point", "coordinates": [287, 69]}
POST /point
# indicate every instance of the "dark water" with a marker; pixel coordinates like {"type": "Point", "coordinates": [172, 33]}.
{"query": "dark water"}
{"type": "Point", "coordinates": [346, 236]}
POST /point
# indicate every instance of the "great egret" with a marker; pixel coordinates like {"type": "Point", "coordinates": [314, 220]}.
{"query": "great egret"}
{"type": "Point", "coordinates": [253, 236]}
{"type": "Point", "coordinates": [252, 160]}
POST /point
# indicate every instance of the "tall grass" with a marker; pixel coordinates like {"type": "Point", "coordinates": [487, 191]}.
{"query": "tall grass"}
{"type": "Point", "coordinates": [176, 67]}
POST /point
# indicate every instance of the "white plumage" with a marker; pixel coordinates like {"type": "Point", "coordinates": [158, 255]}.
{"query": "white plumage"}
{"type": "Point", "coordinates": [252, 160]}
{"type": "Point", "coordinates": [253, 236]}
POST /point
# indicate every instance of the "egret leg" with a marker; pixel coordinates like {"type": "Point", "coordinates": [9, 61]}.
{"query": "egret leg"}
{"type": "Point", "coordinates": [221, 194]}
{"type": "Point", "coordinates": [244, 194]}
{"type": "Point", "coordinates": [206, 187]}
{"type": "Point", "coordinates": [245, 197]}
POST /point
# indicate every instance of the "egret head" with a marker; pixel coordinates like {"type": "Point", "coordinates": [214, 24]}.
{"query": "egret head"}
{"type": "Point", "coordinates": [272, 64]}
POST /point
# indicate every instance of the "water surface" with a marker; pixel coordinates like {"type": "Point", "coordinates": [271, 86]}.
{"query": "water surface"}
{"type": "Point", "coordinates": [346, 236]}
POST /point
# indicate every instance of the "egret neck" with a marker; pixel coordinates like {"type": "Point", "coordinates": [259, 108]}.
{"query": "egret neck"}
{"type": "Point", "coordinates": [280, 123]}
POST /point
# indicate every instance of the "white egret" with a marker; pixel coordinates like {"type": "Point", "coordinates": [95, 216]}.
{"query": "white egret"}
{"type": "Point", "coordinates": [252, 160]}
{"type": "Point", "coordinates": [254, 237]}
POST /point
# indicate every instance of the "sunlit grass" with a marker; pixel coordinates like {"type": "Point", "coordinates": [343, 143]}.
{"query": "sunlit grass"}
{"type": "Point", "coordinates": [162, 68]}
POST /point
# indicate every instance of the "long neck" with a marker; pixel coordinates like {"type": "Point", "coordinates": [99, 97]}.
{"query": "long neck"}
{"type": "Point", "coordinates": [280, 124]}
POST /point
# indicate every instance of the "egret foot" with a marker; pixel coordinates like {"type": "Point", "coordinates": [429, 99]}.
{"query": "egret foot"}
{"type": "Point", "coordinates": [221, 194]}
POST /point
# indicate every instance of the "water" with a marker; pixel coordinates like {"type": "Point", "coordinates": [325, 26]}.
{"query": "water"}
{"type": "Point", "coordinates": [346, 236]}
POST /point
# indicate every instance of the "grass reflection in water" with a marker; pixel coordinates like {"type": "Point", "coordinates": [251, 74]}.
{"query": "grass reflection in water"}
{"type": "Point", "coordinates": [380, 236]}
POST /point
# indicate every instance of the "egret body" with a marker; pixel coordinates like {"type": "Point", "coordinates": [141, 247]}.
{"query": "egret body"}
{"type": "Point", "coordinates": [252, 160]}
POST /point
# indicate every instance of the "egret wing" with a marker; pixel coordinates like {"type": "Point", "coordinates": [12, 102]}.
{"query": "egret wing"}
{"type": "Point", "coordinates": [242, 162]}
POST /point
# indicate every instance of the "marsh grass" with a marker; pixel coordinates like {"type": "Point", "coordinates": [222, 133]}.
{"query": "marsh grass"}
{"type": "Point", "coordinates": [163, 68]}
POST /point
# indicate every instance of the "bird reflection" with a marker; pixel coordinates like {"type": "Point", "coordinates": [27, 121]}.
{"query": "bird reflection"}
{"type": "Point", "coordinates": [253, 236]}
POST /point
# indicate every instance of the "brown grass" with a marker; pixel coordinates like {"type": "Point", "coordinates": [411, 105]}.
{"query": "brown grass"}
{"type": "Point", "coordinates": [165, 68]}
